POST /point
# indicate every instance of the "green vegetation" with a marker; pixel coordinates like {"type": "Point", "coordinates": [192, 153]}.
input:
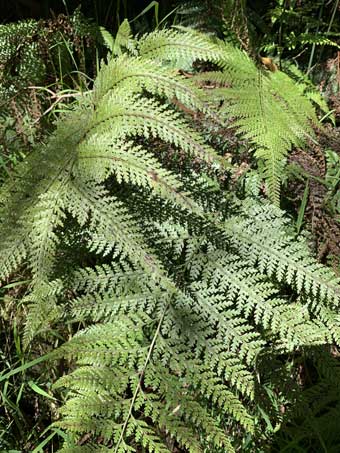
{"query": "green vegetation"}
{"type": "Point", "coordinates": [165, 284]}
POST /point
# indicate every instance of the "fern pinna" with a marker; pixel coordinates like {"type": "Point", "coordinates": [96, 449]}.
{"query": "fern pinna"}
{"type": "Point", "coordinates": [183, 290]}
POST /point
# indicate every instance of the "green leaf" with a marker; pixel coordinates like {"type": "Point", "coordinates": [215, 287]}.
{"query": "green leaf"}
{"type": "Point", "coordinates": [39, 390]}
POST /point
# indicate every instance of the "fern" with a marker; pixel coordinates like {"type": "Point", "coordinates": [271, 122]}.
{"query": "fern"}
{"type": "Point", "coordinates": [313, 416]}
{"type": "Point", "coordinates": [183, 290]}
{"type": "Point", "coordinates": [267, 107]}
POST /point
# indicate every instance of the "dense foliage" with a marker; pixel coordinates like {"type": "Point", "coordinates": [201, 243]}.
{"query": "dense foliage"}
{"type": "Point", "coordinates": [155, 297]}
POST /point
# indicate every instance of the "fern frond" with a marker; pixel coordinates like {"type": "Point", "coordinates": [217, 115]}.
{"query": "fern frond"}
{"type": "Point", "coordinates": [121, 116]}
{"type": "Point", "coordinates": [132, 165]}
{"type": "Point", "coordinates": [124, 39]}
{"type": "Point", "coordinates": [145, 74]}
{"type": "Point", "coordinates": [39, 180]}
{"type": "Point", "coordinates": [274, 252]}
{"type": "Point", "coordinates": [267, 108]}
{"type": "Point", "coordinates": [43, 309]}
{"type": "Point", "coordinates": [181, 47]}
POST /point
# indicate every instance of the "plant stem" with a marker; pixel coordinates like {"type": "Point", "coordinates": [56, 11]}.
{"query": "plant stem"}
{"type": "Point", "coordinates": [147, 360]}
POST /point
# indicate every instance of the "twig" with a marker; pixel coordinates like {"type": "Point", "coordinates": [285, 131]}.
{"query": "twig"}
{"type": "Point", "coordinates": [152, 345]}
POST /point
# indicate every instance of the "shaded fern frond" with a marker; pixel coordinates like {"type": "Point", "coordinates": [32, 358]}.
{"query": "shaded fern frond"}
{"type": "Point", "coordinates": [265, 243]}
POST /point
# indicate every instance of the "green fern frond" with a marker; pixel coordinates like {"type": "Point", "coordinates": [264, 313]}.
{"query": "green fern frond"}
{"type": "Point", "coordinates": [124, 39]}
{"type": "Point", "coordinates": [266, 244]}
{"type": "Point", "coordinates": [267, 107]}
{"type": "Point", "coordinates": [43, 309]}
{"type": "Point", "coordinates": [140, 73]}
{"type": "Point", "coordinates": [120, 116]}
{"type": "Point", "coordinates": [181, 47]}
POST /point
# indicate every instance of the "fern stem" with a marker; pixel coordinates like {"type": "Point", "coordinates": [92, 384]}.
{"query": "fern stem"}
{"type": "Point", "coordinates": [333, 16]}
{"type": "Point", "coordinates": [335, 8]}
{"type": "Point", "coordinates": [313, 46]}
{"type": "Point", "coordinates": [147, 360]}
